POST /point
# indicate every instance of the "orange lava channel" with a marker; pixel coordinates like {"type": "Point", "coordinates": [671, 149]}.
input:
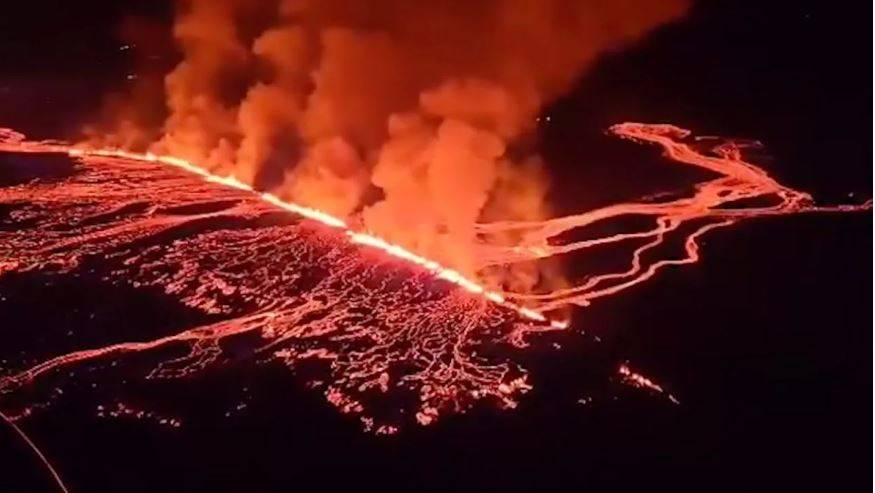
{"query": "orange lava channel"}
{"type": "Point", "coordinates": [736, 192]}
{"type": "Point", "coordinates": [713, 203]}
{"type": "Point", "coordinates": [15, 143]}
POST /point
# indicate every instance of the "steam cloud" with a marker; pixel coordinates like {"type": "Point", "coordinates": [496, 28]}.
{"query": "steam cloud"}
{"type": "Point", "coordinates": [411, 116]}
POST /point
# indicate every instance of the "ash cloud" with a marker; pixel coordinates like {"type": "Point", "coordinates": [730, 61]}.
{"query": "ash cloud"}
{"type": "Point", "coordinates": [399, 113]}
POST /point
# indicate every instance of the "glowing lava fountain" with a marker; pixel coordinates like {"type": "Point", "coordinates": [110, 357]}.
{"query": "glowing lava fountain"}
{"type": "Point", "coordinates": [386, 325]}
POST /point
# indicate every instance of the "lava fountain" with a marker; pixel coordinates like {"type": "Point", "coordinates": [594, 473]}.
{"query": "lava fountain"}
{"type": "Point", "coordinates": [288, 283]}
{"type": "Point", "coordinates": [285, 287]}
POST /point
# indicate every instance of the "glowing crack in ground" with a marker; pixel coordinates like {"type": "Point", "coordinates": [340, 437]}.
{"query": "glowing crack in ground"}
{"type": "Point", "coordinates": [282, 288]}
{"type": "Point", "coordinates": [387, 324]}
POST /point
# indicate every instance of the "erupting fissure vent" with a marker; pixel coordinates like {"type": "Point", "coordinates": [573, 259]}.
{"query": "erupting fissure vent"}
{"type": "Point", "coordinates": [284, 290]}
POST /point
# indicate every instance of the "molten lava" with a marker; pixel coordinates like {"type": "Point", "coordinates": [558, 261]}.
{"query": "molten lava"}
{"type": "Point", "coordinates": [291, 292]}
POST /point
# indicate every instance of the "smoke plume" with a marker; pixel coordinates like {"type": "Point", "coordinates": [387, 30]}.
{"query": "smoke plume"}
{"type": "Point", "coordinates": [409, 116]}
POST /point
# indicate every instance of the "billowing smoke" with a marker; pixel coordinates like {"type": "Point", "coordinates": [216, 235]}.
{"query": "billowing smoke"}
{"type": "Point", "coordinates": [411, 116]}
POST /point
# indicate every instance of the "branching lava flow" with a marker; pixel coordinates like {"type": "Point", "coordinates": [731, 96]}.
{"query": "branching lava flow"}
{"type": "Point", "coordinates": [384, 323]}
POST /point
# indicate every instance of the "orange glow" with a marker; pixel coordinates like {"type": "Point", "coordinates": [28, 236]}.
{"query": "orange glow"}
{"type": "Point", "coordinates": [406, 339]}
{"type": "Point", "coordinates": [709, 208]}
{"type": "Point", "coordinates": [738, 180]}
{"type": "Point", "coordinates": [360, 238]}
{"type": "Point", "coordinates": [371, 318]}
{"type": "Point", "coordinates": [638, 380]}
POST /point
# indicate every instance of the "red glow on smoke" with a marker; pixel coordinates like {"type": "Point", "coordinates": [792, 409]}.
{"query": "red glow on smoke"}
{"type": "Point", "coordinates": [382, 326]}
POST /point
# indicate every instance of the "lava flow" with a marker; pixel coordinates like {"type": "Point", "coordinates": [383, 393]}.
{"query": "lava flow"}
{"type": "Point", "coordinates": [717, 203]}
{"type": "Point", "coordinates": [386, 323]}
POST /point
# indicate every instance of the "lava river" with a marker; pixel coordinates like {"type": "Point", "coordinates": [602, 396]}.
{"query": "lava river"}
{"type": "Point", "coordinates": [281, 287]}
{"type": "Point", "coordinates": [394, 337]}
